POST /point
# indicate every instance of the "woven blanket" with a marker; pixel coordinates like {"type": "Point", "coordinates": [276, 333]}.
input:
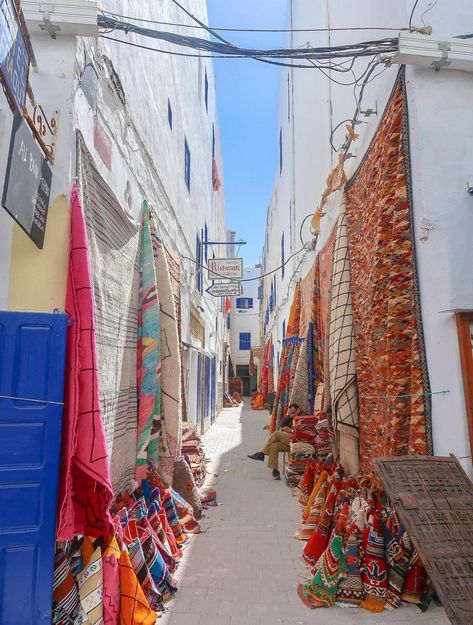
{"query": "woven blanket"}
{"type": "Point", "coordinates": [150, 425]}
{"type": "Point", "coordinates": [392, 375]}
{"type": "Point", "coordinates": [300, 391]}
{"type": "Point", "coordinates": [171, 408]}
{"type": "Point", "coordinates": [85, 490]}
{"type": "Point", "coordinates": [342, 360]}
{"type": "Point", "coordinates": [325, 280]}
{"type": "Point", "coordinates": [114, 241]}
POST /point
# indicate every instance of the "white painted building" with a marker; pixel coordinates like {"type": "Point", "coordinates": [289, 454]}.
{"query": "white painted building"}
{"type": "Point", "coordinates": [245, 328]}
{"type": "Point", "coordinates": [441, 150]}
{"type": "Point", "coordinates": [149, 120]}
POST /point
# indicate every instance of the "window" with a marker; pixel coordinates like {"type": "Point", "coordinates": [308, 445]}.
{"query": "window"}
{"type": "Point", "coordinates": [169, 114]}
{"type": "Point", "coordinates": [244, 303]}
{"type": "Point", "coordinates": [275, 295]}
{"type": "Point", "coordinates": [213, 140]}
{"type": "Point", "coordinates": [260, 292]}
{"type": "Point", "coordinates": [282, 256]}
{"type": "Point", "coordinates": [280, 150]}
{"type": "Point", "coordinates": [465, 338]}
{"type": "Point", "coordinates": [228, 322]}
{"type": "Point", "coordinates": [245, 341]}
{"type": "Point", "coordinates": [187, 164]}
{"type": "Point", "coordinates": [206, 91]}
{"type": "Point", "coordinates": [199, 277]}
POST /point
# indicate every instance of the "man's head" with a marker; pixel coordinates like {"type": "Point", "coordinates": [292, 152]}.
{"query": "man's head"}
{"type": "Point", "coordinates": [294, 410]}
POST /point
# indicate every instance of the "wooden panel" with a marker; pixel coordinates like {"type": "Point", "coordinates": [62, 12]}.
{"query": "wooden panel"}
{"type": "Point", "coordinates": [434, 499]}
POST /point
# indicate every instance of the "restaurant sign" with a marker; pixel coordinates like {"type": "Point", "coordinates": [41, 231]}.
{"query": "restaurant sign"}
{"type": "Point", "coordinates": [14, 56]}
{"type": "Point", "coordinates": [225, 268]}
{"type": "Point", "coordinates": [27, 182]}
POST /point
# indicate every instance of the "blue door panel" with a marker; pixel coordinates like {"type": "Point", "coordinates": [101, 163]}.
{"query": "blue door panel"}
{"type": "Point", "coordinates": [32, 358]}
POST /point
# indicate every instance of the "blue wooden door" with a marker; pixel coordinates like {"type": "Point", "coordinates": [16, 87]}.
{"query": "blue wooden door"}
{"type": "Point", "coordinates": [32, 359]}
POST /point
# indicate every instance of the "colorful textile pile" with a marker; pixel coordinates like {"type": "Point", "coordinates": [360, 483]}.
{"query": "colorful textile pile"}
{"type": "Point", "coordinates": [357, 551]}
{"type": "Point", "coordinates": [302, 448]}
{"type": "Point", "coordinates": [392, 377]}
{"type": "Point", "coordinates": [85, 490]}
{"type": "Point", "coordinates": [126, 579]}
{"type": "Point", "coordinates": [194, 453]}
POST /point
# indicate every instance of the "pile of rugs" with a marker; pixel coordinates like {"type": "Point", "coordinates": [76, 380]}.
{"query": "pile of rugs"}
{"type": "Point", "coordinates": [301, 448]}
{"type": "Point", "coordinates": [357, 551]}
{"type": "Point", "coordinates": [194, 453]}
{"type": "Point", "coordinates": [126, 577]}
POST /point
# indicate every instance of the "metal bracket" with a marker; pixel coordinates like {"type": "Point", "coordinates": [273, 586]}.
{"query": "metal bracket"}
{"type": "Point", "coordinates": [469, 189]}
{"type": "Point", "coordinates": [47, 25]}
{"type": "Point", "coordinates": [444, 47]}
{"type": "Point", "coordinates": [370, 111]}
{"type": "Point", "coordinates": [44, 130]}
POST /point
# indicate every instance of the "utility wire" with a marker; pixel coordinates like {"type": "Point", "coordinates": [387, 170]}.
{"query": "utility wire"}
{"type": "Point", "coordinates": [252, 30]}
{"type": "Point", "coordinates": [307, 247]}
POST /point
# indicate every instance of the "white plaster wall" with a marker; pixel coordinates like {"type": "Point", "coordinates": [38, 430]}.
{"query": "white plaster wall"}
{"type": "Point", "coordinates": [246, 320]}
{"type": "Point", "coordinates": [442, 162]}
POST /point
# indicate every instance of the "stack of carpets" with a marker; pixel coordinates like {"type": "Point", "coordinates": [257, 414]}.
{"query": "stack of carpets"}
{"type": "Point", "coordinates": [194, 453]}
{"type": "Point", "coordinates": [302, 448]}
{"type": "Point", "coordinates": [324, 436]}
{"type": "Point", "coordinates": [358, 552]}
{"type": "Point", "coordinates": [124, 577]}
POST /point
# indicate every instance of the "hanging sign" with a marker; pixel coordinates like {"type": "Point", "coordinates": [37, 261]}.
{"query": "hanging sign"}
{"type": "Point", "coordinates": [27, 182]}
{"type": "Point", "coordinates": [225, 268]}
{"type": "Point", "coordinates": [14, 56]}
{"type": "Point", "coordinates": [224, 289]}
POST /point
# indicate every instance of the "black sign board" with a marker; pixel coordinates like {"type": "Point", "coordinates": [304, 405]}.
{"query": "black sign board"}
{"type": "Point", "coordinates": [27, 182]}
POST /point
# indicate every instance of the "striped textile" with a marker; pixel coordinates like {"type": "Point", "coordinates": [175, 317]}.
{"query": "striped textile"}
{"type": "Point", "coordinates": [65, 592]}
{"type": "Point", "coordinates": [111, 583]}
{"type": "Point", "coordinates": [140, 566]}
{"type": "Point", "coordinates": [114, 245]}
{"type": "Point", "coordinates": [90, 583]}
{"type": "Point", "coordinates": [134, 607]}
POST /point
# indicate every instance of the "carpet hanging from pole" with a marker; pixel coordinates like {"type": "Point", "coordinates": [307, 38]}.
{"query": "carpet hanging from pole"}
{"type": "Point", "coordinates": [393, 384]}
{"type": "Point", "coordinates": [114, 255]}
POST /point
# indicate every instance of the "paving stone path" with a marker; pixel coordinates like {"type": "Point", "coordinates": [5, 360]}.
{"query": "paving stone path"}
{"type": "Point", "coordinates": [245, 566]}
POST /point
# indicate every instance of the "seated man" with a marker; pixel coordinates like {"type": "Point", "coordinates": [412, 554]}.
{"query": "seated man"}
{"type": "Point", "coordinates": [279, 441]}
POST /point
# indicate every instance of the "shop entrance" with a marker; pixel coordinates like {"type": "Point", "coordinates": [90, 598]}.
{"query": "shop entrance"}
{"type": "Point", "coordinates": [249, 381]}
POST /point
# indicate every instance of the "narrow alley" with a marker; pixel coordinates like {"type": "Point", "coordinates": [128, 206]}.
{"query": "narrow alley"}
{"type": "Point", "coordinates": [245, 566]}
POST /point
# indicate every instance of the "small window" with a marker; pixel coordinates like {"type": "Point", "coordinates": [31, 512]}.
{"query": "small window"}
{"type": "Point", "coordinates": [244, 303]}
{"type": "Point", "coordinates": [199, 279]}
{"type": "Point", "coordinates": [206, 92]}
{"type": "Point", "coordinates": [213, 140]}
{"type": "Point", "coordinates": [187, 165]}
{"type": "Point", "coordinates": [228, 322]}
{"type": "Point", "coordinates": [169, 114]}
{"type": "Point", "coordinates": [275, 293]}
{"type": "Point", "coordinates": [245, 341]}
{"type": "Point", "coordinates": [282, 256]}
{"type": "Point", "coordinates": [280, 150]}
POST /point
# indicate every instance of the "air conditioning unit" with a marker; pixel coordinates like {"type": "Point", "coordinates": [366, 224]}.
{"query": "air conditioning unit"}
{"type": "Point", "coordinates": [435, 52]}
{"type": "Point", "coordinates": [61, 17]}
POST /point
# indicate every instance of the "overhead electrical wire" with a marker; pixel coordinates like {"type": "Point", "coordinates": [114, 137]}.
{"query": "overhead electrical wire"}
{"type": "Point", "coordinates": [364, 48]}
{"type": "Point", "coordinates": [252, 30]}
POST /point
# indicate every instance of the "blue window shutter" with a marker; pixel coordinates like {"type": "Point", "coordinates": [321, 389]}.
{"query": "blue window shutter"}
{"type": "Point", "coordinates": [245, 341]}
{"type": "Point", "coordinates": [169, 114]}
{"type": "Point", "coordinates": [206, 91]}
{"type": "Point", "coordinates": [187, 165]}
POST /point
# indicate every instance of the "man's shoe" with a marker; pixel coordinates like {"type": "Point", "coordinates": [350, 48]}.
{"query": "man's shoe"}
{"type": "Point", "coordinates": [276, 474]}
{"type": "Point", "coordinates": [259, 455]}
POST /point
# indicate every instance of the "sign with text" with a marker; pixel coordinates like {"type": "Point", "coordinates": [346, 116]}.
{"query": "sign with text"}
{"type": "Point", "coordinates": [14, 56]}
{"type": "Point", "coordinates": [27, 182]}
{"type": "Point", "coordinates": [224, 289]}
{"type": "Point", "coordinates": [225, 268]}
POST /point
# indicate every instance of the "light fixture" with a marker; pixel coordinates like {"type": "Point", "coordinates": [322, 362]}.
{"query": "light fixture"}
{"type": "Point", "coordinates": [435, 52]}
{"type": "Point", "coordinates": [63, 17]}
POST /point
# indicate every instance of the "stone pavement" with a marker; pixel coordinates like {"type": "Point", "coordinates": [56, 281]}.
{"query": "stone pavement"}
{"type": "Point", "coordinates": [244, 568]}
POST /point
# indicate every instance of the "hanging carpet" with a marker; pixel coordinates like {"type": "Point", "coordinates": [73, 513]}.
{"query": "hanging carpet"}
{"type": "Point", "coordinates": [113, 240]}
{"type": "Point", "coordinates": [342, 361]}
{"type": "Point", "coordinates": [85, 489]}
{"type": "Point", "coordinates": [394, 406]}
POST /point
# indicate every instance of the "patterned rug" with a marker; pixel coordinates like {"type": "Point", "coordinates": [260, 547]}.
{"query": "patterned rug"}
{"type": "Point", "coordinates": [171, 408]}
{"type": "Point", "coordinates": [325, 280]}
{"type": "Point", "coordinates": [113, 240]}
{"type": "Point", "coordinates": [342, 362]}
{"type": "Point", "coordinates": [392, 375]}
